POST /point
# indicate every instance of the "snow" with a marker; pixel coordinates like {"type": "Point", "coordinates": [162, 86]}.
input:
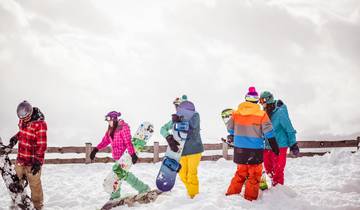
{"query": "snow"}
{"type": "Point", "coordinates": [324, 182]}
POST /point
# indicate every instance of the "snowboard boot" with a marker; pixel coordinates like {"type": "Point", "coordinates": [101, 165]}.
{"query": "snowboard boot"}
{"type": "Point", "coordinates": [116, 194]}
{"type": "Point", "coordinates": [263, 184]}
{"type": "Point", "coordinates": [136, 183]}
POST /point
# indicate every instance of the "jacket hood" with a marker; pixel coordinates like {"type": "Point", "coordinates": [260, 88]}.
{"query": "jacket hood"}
{"type": "Point", "coordinates": [121, 124]}
{"type": "Point", "coordinates": [37, 115]}
{"type": "Point", "coordinates": [248, 108]}
{"type": "Point", "coordinates": [279, 105]}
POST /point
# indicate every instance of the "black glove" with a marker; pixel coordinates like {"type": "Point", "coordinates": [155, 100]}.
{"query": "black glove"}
{"type": "Point", "coordinates": [13, 141]}
{"type": "Point", "coordinates": [230, 139]}
{"type": "Point", "coordinates": [274, 146]}
{"type": "Point", "coordinates": [172, 143]}
{"type": "Point", "coordinates": [93, 153]}
{"type": "Point", "coordinates": [36, 167]}
{"type": "Point", "coordinates": [176, 118]}
{"type": "Point", "coordinates": [134, 158]}
{"type": "Point", "coordinates": [294, 149]}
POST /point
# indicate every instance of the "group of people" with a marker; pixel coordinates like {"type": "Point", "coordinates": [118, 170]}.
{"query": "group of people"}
{"type": "Point", "coordinates": [259, 135]}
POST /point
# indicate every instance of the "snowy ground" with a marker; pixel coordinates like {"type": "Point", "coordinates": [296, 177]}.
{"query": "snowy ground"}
{"type": "Point", "coordinates": [328, 182]}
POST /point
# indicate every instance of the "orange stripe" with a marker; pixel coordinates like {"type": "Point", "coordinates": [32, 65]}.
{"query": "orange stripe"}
{"type": "Point", "coordinates": [249, 119]}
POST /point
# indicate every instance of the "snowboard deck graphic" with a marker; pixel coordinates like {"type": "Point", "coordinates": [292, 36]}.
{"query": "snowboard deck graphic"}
{"type": "Point", "coordinates": [225, 116]}
{"type": "Point", "coordinates": [142, 198]}
{"type": "Point", "coordinates": [16, 190]}
{"type": "Point", "coordinates": [170, 166]}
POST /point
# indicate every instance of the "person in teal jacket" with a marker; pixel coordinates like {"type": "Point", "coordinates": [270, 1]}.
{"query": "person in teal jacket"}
{"type": "Point", "coordinates": [285, 136]}
{"type": "Point", "coordinates": [193, 148]}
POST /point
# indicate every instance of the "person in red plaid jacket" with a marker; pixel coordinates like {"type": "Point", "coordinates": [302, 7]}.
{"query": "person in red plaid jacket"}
{"type": "Point", "coordinates": [31, 149]}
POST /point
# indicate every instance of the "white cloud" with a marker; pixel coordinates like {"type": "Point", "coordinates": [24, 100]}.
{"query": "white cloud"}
{"type": "Point", "coordinates": [78, 60]}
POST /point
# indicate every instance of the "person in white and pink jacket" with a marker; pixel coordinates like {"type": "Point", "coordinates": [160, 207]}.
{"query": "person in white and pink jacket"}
{"type": "Point", "coordinates": [119, 136]}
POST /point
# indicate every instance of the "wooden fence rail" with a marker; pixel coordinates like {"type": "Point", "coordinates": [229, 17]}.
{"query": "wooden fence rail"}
{"type": "Point", "coordinates": [157, 149]}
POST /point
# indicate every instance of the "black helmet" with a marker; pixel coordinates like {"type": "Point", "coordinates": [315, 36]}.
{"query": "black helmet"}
{"type": "Point", "coordinates": [24, 110]}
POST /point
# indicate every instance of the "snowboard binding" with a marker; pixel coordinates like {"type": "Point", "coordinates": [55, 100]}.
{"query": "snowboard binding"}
{"type": "Point", "coordinates": [172, 164]}
{"type": "Point", "coordinates": [182, 129]}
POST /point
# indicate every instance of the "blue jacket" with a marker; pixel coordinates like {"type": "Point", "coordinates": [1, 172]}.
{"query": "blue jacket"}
{"type": "Point", "coordinates": [283, 129]}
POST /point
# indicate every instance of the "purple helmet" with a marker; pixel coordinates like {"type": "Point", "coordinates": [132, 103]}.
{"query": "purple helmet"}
{"type": "Point", "coordinates": [24, 110]}
{"type": "Point", "coordinates": [186, 109]}
{"type": "Point", "coordinates": [113, 115]}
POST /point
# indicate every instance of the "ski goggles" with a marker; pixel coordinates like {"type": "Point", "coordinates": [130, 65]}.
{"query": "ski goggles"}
{"type": "Point", "coordinates": [262, 101]}
{"type": "Point", "coordinates": [177, 101]}
{"type": "Point", "coordinates": [24, 115]}
{"type": "Point", "coordinates": [108, 118]}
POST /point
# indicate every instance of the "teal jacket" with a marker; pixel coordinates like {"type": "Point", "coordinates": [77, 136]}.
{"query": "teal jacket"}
{"type": "Point", "coordinates": [193, 144]}
{"type": "Point", "coordinates": [283, 129]}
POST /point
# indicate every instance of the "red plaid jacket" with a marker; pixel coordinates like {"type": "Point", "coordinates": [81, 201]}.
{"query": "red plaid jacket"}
{"type": "Point", "coordinates": [32, 142]}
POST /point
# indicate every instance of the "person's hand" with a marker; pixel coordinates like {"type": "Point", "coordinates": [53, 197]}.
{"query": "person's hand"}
{"type": "Point", "coordinates": [13, 141]}
{"type": "Point", "coordinates": [36, 167]}
{"type": "Point", "coordinates": [274, 146]}
{"type": "Point", "coordinates": [134, 158]}
{"type": "Point", "coordinates": [230, 139]}
{"type": "Point", "coordinates": [173, 144]}
{"type": "Point", "coordinates": [93, 153]}
{"type": "Point", "coordinates": [294, 149]}
{"type": "Point", "coordinates": [176, 118]}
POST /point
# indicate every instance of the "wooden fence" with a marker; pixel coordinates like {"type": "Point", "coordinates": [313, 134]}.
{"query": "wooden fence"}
{"type": "Point", "coordinates": [157, 149]}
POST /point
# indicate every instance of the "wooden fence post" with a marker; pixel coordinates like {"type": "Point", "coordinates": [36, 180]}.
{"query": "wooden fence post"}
{"type": "Point", "coordinates": [225, 151]}
{"type": "Point", "coordinates": [87, 153]}
{"type": "Point", "coordinates": [156, 152]}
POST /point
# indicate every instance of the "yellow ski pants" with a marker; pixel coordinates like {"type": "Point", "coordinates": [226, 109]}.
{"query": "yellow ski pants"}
{"type": "Point", "coordinates": [188, 173]}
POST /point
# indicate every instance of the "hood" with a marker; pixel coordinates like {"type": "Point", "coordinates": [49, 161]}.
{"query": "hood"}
{"type": "Point", "coordinates": [187, 114]}
{"type": "Point", "coordinates": [121, 124]}
{"type": "Point", "coordinates": [248, 108]}
{"type": "Point", "coordinates": [37, 115]}
{"type": "Point", "coordinates": [279, 104]}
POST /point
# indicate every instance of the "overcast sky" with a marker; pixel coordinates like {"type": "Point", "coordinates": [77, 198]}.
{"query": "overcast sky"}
{"type": "Point", "coordinates": [77, 60]}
